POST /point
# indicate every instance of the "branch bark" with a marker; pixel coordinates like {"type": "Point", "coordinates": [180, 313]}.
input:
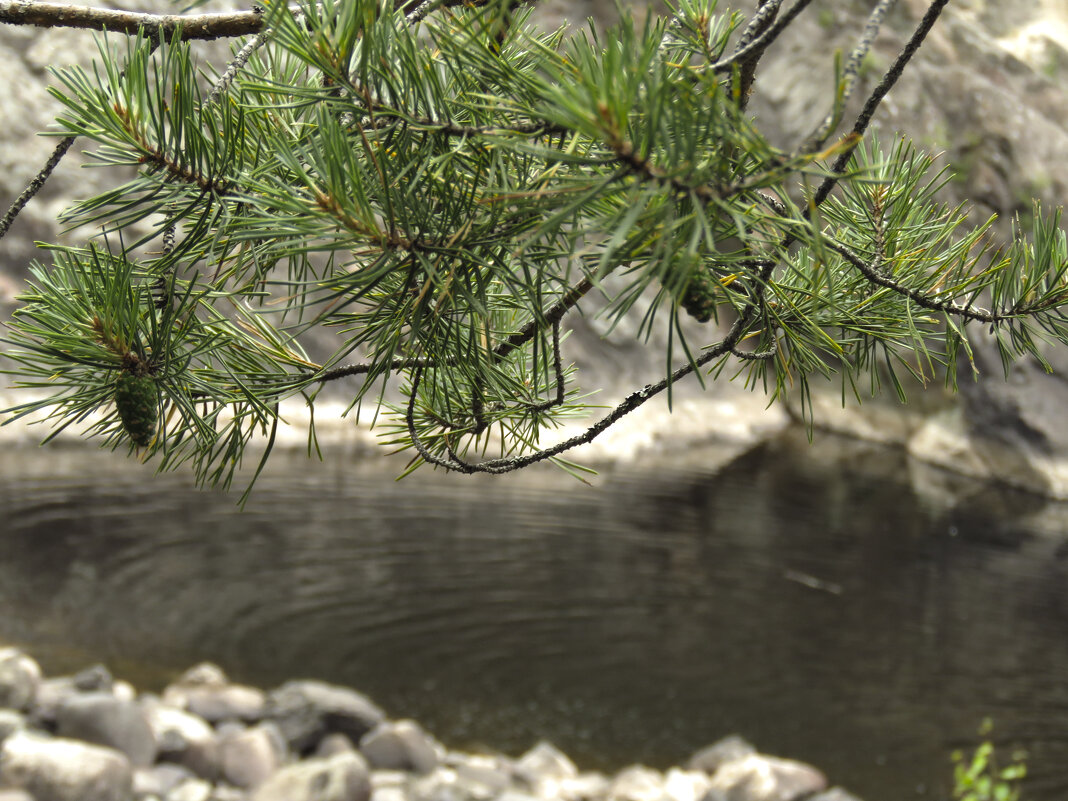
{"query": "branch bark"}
{"type": "Point", "coordinates": [195, 26]}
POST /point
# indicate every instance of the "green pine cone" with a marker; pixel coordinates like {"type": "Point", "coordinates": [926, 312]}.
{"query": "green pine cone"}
{"type": "Point", "coordinates": [701, 295]}
{"type": "Point", "coordinates": [137, 401]}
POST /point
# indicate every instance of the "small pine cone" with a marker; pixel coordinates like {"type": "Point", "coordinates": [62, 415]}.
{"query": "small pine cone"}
{"type": "Point", "coordinates": [137, 401]}
{"type": "Point", "coordinates": [700, 297]}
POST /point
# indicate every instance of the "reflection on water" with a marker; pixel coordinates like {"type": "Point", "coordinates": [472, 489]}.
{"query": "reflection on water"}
{"type": "Point", "coordinates": [632, 621]}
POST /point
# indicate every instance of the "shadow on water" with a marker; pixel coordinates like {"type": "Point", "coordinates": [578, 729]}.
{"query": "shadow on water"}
{"type": "Point", "coordinates": [807, 598]}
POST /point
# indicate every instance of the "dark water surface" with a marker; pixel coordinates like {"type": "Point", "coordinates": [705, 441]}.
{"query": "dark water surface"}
{"type": "Point", "coordinates": [806, 598]}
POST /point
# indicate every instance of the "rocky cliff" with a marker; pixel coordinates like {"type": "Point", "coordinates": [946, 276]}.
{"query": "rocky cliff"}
{"type": "Point", "coordinates": [987, 91]}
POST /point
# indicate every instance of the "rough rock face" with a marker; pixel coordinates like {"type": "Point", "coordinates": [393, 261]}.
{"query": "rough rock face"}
{"type": "Point", "coordinates": [988, 90]}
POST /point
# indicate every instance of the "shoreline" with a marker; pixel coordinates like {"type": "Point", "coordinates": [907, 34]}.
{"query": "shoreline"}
{"type": "Point", "coordinates": [92, 737]}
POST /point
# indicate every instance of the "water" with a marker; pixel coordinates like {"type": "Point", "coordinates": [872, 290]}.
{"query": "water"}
{"type": "Point", "coordinates": [807, 598]}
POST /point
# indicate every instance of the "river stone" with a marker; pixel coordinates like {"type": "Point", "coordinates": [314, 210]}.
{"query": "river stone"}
{"type": "Point", "coordinates": [344, 777]}
{"type": "Point", "coordinates": [709, 758]}
{"type": "Point", "coordinates": [637, 783]}
{"type": "Point", "coordinates": [50, 695]}
{"type": "Point", "coordinates": [159, 780]}
{"type": "Point", "coordinates": [103, 719]}
{"type": "Point", "coordinates": [184, 738]}
{"type": "Point", "coordinates": [14, 794]}
{"type": "Point", "coordinates": [191, 790]}
{"type": "Point", "coordinates": [230, 702]}
{"type": "Point", "coordinates": [483, 776]}
{"type": "Point", "coordinates": [11, 722]}
{"type": "Point", "coordinates": [544, 763]}
{"type": "Point", "coordinates": [762, 778]}
{"type": "Point", "coordinates": [96, 677]}
{"type": "Point", "coordinates": [834, 794]}
{"type": "Point", "coordinates": [306, 711]}
{"type": "Point", "coordinates": [333, 744]}
{"type": "Point", "coordinates": [686, 785]}
{"type": "Point", "coordinates": [248, 757]}
{"type": "Point", "coordinates": [56, 769]}
{"type": "Point", "coordinates": [401, 745]}
{"type": "Point", "coordinates": [20, 678]}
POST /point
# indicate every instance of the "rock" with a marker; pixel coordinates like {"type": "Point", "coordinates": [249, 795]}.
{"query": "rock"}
{"type": "Point", "coordinates": [544, 764]}
{"type": "Point", "coordinates": [103, 719]}
{"type": "Point", "coordinates": [50, 694]}
{"type": "Point", "coordinates": [216, 704]}
{"type": "Point", "coordinates": [444, 785]}
{"type": "Point", "coordinates": [15, 794]}
{"type": "Point", "coordinates": [306, 711]}
{"type": "Point", "coordinates": [206, 674]}
{"type": "Point", "coordinates": [191, 790]}
{"type": "Point", "coordinates": [834, 794]}
{"type": "Point", "coordinates": [93, 678]}
{"type": "Point", "coordinates": [248, 757]}
{"type": "Point", "coordinates": [56, 769]}
{"type": "Point", "coordinates": [709, 758]}
{"type": "Point", "coordinates": [482, 776]}
{"type": "Point", "coordinates": [762, 778]}
{"type": "Point", "coordinates": [584, 787]}
{"type": "Point", "coordinates": [184, 738]}
{"type": "Point", "coordinates": [334, 744]}
{"type": "Point", "coordinates": [686, 785]}
{"type": "Point", "coordinates": [205, 690]}
{"type": "Point", "coordinates": [344, 777]}
{"type": "Point", "coordinates": [10, 722]}
{"type": "Point", "coordinates": [159, 780]}
{"type": "Point", "coordinates": [20, 678]}
{"type": "Point", "coordinates": [401, 745]}
{"type": "Point", "coordinates": [637, 783]}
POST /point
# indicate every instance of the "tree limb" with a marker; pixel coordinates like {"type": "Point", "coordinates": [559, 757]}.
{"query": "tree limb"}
{"type": "Point", "coordinates": [196, 26]}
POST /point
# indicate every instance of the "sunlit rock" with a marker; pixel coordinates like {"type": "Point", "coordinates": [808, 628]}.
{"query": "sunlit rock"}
{"type": "Point", "coordinates": [57, 769]}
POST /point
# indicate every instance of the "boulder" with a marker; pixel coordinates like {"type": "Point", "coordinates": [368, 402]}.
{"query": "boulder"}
{"type": "Point", "coordinates": [57, 769]}
{"type": "Point", "coordinates": [248, 757]}
{"type": "Point", "coordinates": [762, 778]}
{"type": "Point", "coordinates": [306, 711]}
{"type": "Point", "coordinates": [20, 678]}
{"type": "Point", "coordinates": [103, 719]}
{"type": "Point", "coordinates": [219, 703]}
{"type": "Point", "coordinates": [184, 739]}
{"type": "Point", "coordinates": [709, 758]}
{"type": "Point", "coordinates": [344, 777]}
{"type": "Point", "coordinates": [401, 745]}
{"type": "Point", "coordinates": [50, 695]}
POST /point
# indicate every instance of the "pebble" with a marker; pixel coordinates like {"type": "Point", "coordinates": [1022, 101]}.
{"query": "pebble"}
{"type": "Point", "coordinates": [210, 739]}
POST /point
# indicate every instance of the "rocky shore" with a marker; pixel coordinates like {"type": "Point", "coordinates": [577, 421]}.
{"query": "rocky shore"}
{"type": "Point", "coordinates": [91, 737]}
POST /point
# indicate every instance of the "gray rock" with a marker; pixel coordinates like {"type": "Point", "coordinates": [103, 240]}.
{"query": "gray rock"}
{"type": "Point", "coordinates": [637, 783]}
{"type": "Point", "coordinates": [191, 790]}
{"type": "Point", "coordinates": [482, 776]}
{"type": "Point", "coordinates": [248, 757]}
{"type": "Point", "coordinates": [344, 777]}
{"type": "Point", "coordinates": [834, 794]}
{"type": "Point", "coordinates": [401, 745]}
{"type": "Point", "coordinates": [103, 719]}
{"type": "Point", "coordinates": [15, 794]}
{"type": "Point", "coordinates": [50, 694]}
{"type": "Point", "coordinates": [762, 778]}
{"type": "Point", "coordinates": [206, 674]}
{"type": "Point", "coordinates": [712, 756]}
{"type": "Point", "coordinates": [334, 744]}
{"type": "Point", "coordinates": [20, 678]}
{"type": "Point", "coordinates": [97, 677]}
{"type": "Point", "coordinates": [11, 722]}
{"type": "Point", "coordinates": [306, 711]}
{"type": "Point", "coordinates": [216, 704]}
{"type": "Point", "coordinates": [544, 762]}
{"type": "Point", "coordinates": [184, 738]}
{"type": "Point", "coordinates": [56, 769]}
{"type": "Point", "coordinates": [159, 780]}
